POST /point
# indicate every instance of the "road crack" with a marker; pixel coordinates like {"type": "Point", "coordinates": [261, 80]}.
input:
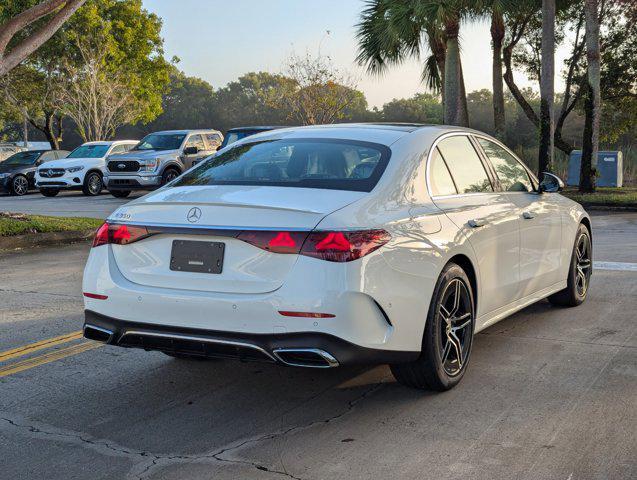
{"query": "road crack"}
{"type": "Point", "coordinates": [146, 462]}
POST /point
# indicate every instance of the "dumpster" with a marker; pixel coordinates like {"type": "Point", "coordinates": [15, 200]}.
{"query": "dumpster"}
{"type": "Point", "coordinates": [609, 169]}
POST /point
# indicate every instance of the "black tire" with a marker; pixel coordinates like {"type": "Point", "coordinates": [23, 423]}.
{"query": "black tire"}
{"type": "Point", "coordinates": [93, 184]}
{"type": "Point", "coordinates": [579, 273]}
{"type": "Point", "coordinates": [19, 185]}
{"type": "Point", "coordinates": [169, 175]}
{"type": "Point", "coordinates": [435, 369]}
{"type": "Point", "coordinates": [120, 193]}
{"type": "Point", "coordinates": [49, 192]}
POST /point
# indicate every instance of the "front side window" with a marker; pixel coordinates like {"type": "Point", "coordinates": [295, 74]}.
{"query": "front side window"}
{"type": "Point", "coordinates": [513, 176]}
{"type": "Point", "coordinates": [161, 141]}
{"type": "Point", "coordinates": [308, 163]}
{"type": "Point", "coordinates": [89, 151]}
{"type": "Point", "coordinates": [464, 165]}
{"type": "Point", "coordinates": [214, 140]}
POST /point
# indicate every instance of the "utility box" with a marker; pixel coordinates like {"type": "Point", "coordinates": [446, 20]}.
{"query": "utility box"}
{"type": "Point", "coordinates": [609, 169]}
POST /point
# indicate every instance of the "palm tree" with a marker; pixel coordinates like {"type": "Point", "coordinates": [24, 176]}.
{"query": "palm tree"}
{"type": "Point", "coordinates": [391, 31]}
{"type": "Point", "coordinates": [547, 86]}
{"type": "Point", "coordinates": [497, 8]}
{"type": "Point", "coordinates": [590, 143]}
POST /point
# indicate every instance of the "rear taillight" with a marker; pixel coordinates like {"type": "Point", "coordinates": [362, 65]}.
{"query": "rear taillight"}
{"type": "Point", "coordinates": [273, 241]}
{"type": "Point", "coordinates": [119, 234]}
{"type": "Point", "coordinates": [343, 246]}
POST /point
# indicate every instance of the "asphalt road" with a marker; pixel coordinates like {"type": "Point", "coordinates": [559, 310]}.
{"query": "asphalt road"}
{"type": "Point", "coordinates": [66, 203]}
{"type": "Point", "coordinates": [550, 394]}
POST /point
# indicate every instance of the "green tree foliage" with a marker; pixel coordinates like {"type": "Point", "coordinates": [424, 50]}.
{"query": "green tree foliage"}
{"type": "Point", "coordinates": [135, 51]}
{"type": "Point", "coordinates": [254, 99]}
{"type": "Point", "coordinates": [421, 108]}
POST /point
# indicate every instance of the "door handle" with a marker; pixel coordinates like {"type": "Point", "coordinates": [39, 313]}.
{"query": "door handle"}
{"type": "Point", "coordinates": [528, 215]}
{"type": "Point", "coordinates": [477, 223]}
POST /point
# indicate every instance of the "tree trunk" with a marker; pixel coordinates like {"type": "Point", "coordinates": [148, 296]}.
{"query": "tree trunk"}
{"type": "Point", "coordinates": [455, 98]}
{"type": "Point", "coordinates": [590, 142]}
{"type": "Point", "coordinates": [547, 88]}
{"type": "Point", "coordinates": [25, 131]}
{"type": "Point", "coordinates": [497, 36]}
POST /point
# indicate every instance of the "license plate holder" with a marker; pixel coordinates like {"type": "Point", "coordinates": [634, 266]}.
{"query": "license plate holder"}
{"type": "Point", "coordinates": [198, 257]}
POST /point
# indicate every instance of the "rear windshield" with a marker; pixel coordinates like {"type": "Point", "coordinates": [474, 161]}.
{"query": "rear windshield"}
{"type": "Point", "coordinates": [89, 151]}
{"type": "Point", "coordinates": [303, 163]}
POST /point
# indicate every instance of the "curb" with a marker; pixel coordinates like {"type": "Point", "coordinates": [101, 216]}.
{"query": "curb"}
{"type": "Point", "coordinates": [46, 239]}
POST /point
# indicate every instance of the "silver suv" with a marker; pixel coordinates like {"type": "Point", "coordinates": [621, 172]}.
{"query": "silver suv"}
{"type": "Point", "coordinates": [158, 158]}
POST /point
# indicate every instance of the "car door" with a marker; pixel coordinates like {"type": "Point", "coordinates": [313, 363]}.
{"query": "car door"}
{"type": "Point", "coordinates": [191, 159]}
{"type": "Point", "coordinates": [463, 188]}
{"type": "Point", "coordinates": [540, 219]}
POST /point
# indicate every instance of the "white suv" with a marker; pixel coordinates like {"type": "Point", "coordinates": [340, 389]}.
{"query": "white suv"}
{"type": "Point", "coordinates": [83, 169]}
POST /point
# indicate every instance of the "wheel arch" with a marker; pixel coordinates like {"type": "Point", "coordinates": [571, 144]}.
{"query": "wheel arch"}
{"type": "Point", "coordinates": [587, 222]}
{"type": "Point", "coordinates": [466, 264]}
{"type": "Point", "coordinates": [93, 170]}
{"type": "Point", "coordinates": [174, 166]}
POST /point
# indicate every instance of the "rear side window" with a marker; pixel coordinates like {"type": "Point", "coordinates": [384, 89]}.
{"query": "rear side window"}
{"type": "Point", "coordinates": [465, 165]}
{"type": "Point", "coordinates": [305, 163]}
{"type": "Point", "coordinates": [440, 179]}
{"type": "Point", "coordinates": [512, 175]}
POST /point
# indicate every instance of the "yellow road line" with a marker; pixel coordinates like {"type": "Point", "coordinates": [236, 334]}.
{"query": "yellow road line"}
{"type": "Point", "coordinates": [34, 347]}
{"type": "Point", "coordinates": [47, 358]}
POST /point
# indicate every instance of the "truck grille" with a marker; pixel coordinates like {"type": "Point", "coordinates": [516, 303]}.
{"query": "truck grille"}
{"type": "Point", "coordinates": [123, 166]}
{"type": "Point", "coordinates": [51, 172]}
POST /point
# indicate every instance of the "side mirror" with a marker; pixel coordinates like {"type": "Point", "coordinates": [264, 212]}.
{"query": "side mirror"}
{"type": "Point", "coordinates": [191, 150]}
{"type": "Point", "coordinates": [550, 183]}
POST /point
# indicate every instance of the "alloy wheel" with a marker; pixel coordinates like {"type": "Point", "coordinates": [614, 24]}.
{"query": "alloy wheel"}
{"type": "Point", "coordinates": [170, 176]}
{"type": "Point", "coordinates": [94, 184]}
{"type": "Point", "coordinates": [456, 313]}
{"type": "Point", "coordinates": [582, 264]}
{"type": "Point", "coordinates": [20, 185]}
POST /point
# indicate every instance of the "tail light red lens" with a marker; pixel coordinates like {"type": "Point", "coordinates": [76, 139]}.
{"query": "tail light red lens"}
{"type": "Point", "coordinates": [344, 246]}
{"type": "Point", "coordinates": [273, 241]}
{"type": "Point", "coordinates": [119, 234]}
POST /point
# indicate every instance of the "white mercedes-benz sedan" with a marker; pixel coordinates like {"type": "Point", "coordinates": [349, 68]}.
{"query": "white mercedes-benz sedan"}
{"type": "Point", "coordinates": [339, 244]}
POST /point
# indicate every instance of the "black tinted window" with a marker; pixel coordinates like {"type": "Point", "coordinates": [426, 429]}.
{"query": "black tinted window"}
{"type": "Point", "coordinates": [440, 180]}
{"type": "Point", "coordinates": [330, 164]}
{"type": "Point", "coordinates": [513, 176]}
{"type": "Point", "coordinates": [464, 164]}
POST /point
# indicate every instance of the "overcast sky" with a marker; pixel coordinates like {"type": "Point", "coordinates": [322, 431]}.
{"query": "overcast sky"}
{"type": "Point", "coordinates": [220, 40]}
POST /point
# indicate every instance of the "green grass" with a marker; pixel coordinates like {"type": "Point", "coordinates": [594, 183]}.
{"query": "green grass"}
{"type": "Point", "coordinates": [17, 224]}
{"type": "Point", "coordinates": [605, 196]}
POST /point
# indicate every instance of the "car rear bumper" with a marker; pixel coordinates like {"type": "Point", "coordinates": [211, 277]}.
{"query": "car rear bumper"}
{"type": "Point", "coordinates": [132, 182]}
{"type": "Point", "coordinates": [302, 349]}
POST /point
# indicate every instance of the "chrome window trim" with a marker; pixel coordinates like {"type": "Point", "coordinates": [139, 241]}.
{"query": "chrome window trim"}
{"type": "Point", "coordinates": [434, 144]}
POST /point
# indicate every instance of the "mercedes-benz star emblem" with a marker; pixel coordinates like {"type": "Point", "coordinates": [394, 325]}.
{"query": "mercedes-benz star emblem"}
{"type": "Point", "coordinates": [194, 214]}
{"type": "Point", "coordinates": [50, 172]}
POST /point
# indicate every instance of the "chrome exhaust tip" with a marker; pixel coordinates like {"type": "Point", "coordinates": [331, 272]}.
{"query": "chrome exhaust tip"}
{"type": "Point", "coordinates": [98, 334]}
{"type": "Point", "coordinates": [305, 357]}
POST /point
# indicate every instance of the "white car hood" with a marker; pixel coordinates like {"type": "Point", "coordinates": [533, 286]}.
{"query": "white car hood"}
{"type": "Point", "coordinates": [72, 162]}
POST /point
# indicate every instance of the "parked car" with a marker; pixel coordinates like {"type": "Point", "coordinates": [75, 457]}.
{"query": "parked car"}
{"type": "Point", "coordinates": [83, 169]}
{"type": "Point", "coordinates": [330, 245]}
{"type": "Point", "coordinates": [159, 158]}
{"type": "Point", "coordinates": [17, 173]}
{"type": "Point", "coordinates": [239, 133]}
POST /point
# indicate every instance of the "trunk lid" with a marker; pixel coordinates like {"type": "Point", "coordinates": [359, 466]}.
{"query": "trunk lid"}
{"type": "Point", "coordinates": [246, 268]}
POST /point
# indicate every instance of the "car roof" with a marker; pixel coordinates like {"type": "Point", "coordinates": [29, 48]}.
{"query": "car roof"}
{"type": "Point", "coordinates": [169, 132]}
{"type": "Point", "coordinates": [110, 142]}
{"type": "Point", "coordinates": [382, 133]}
{"type": "Point", "coordinates": [257, 127]}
